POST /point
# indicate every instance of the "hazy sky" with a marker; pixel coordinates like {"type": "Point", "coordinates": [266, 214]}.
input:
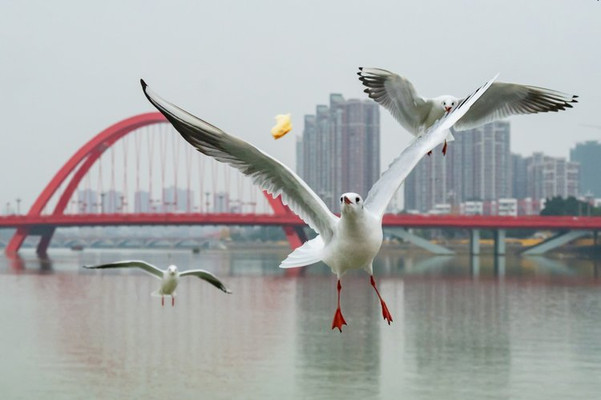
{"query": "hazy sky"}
{"type": "Point", "coordinates": [70, 68]}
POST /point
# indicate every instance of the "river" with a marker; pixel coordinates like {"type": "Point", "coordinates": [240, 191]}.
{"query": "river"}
{"type": "Point", "coordinates": [511, 328]}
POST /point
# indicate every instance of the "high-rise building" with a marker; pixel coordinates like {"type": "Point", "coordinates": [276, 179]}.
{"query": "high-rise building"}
{"type": "Point", "coordinates": [87, 200]}
{"type": "Point", "coordinates": [492, 160]}
{"type": "Point", "coordinates": [588, 155]}
{"type": "Point", "coordinates": [112, 202]}
{"type": "Point", "coordinates": [141, 201]}
{"type": "Point", "coordinates": [476, 168]}
{"type": "Point", "coordinates": [340, 148]}
{"type": "Point", "coordinates": [177, 200]}
{"type": "Point", "coordinates": [551, 176]}
{"type": "Point", "coordinates": [519, 176]}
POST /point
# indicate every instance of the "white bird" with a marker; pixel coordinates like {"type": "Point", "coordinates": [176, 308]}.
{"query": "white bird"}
{"type": "Point", "coordinates": [416, 114]}
{"type": "Point", "coordinates": [350, 241]}
{"type": "Point", "coordinates": [169, 277]}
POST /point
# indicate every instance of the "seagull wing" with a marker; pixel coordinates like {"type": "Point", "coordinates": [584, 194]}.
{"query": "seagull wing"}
{"type": "Point", "coordinates": [151, 269]}
{"type": "Point", "coordinates": [397, 95]}
{"type": "Point", "coordinates": [207, 276]}
{"type": "Point", "coordinates": [505, 99]}
{"type": "Point", "coordinates": [265, 171]}
{"type": "Point", "coordinates": [384, 189]}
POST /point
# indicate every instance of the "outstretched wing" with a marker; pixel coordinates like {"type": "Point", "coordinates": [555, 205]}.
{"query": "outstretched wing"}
{"type": "Point", "coordinates": [397, 95]}
{"type": "Point", "coordinates": [381, 193]}
{"type": "Point", "coordinates": [151, 269]}
{"type": "Point", "coordinates": [502, 100]}
{"type": "Point", "coordinates": [265, 171]}
{"type": "Point", "coordinates": [207, 276]}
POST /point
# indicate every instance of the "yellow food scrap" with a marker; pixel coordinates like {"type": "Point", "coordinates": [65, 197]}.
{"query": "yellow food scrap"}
{"type": "Point", "coordinates": [282, 126]}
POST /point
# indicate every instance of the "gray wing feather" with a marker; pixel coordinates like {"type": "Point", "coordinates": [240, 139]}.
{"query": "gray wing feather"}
{"type": "Point", "coordinates": [151, 269]}
{"type": "Point", "coordinates": [265, 171]}
{"type": "Point", "coordinates": [207, 276]}
{"type": "Point", "coordinates": [397, 95]}
{"type": "Point", "coordinates": [505, 99]}
{"type": "Point", "coordinates": [384, 189]}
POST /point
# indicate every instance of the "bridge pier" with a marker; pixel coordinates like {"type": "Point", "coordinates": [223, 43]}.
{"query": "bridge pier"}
{"type": "Point", "coordinates": [475, 265]}
{"type": "Point", "coordinates": [46, 237]}
{"type": "Point", "coordinates": [499, 242]}
{"type": "Point", "coordinates": [554, 242]}
{"type": "Point", "coordinates": [475, 241]}
{"type": "Point", "coordinates": [499, 265]}
{"type": "Point", "coordinates": [419, 241]}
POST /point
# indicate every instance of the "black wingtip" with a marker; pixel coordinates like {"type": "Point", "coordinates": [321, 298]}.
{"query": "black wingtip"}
{"type": "Point", "coordinates": [143, 84]}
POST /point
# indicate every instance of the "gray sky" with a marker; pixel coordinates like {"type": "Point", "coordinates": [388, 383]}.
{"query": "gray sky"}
{"type": "Point", "coordinates": [70, 69]}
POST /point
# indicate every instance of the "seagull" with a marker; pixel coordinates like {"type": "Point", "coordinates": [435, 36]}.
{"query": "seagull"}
{"type": "Point", "coordinates": [416, 114]}
{"type": "Point", "coordinates": [344, 243]}
{"type": "Point", "coordinates": [169, 277]}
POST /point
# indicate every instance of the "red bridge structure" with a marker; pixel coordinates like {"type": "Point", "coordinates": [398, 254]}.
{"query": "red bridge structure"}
{"type": "Point", "coordinates": [139, 172]}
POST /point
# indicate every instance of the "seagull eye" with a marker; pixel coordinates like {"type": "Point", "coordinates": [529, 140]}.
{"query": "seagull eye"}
{"type": "Point", "coordinates": [341, 200]}
{"type": "Point", "coordinates": [453, 103]}
{"type": "Point", "coordinates": [357, 199]}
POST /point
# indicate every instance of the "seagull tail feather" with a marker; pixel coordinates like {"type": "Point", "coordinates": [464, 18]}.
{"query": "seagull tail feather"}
{"type": "Point", "coordinates": [309, 253]}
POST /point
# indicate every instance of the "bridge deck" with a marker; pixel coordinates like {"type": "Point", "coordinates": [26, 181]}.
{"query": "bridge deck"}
{"type": "Point", "coordinates": [390, 220]}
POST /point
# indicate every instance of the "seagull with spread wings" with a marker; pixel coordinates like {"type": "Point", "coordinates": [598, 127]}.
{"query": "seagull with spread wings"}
{"type": "Point", "coordinates": [348, 242]}
{"type": "Point", "coordinates": [417, 114]}
{"type": "Point", "coordinates": [169, 277]}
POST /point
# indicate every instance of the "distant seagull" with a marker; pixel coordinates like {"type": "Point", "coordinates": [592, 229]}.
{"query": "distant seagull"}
{"type": "Point", "coordinates": [169, 277]}
{"type": "Point", "coordinates": [350, 241]}
{"type": "Point", "coordinates": [417, 114]}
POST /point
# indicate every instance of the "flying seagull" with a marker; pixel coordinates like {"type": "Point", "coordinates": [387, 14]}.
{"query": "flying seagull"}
{"type": "Point", "coordinates": [417, 114]}
{"type": "Point", "coordinates": [350, 241]}
{"type": "Point", "coordinates": [169, 277]}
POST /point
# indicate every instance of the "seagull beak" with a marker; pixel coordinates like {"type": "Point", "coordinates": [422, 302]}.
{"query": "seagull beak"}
{"type": "Point", "coordinates": [347, 200]}
{"type": "Point", "coordinates": [447, 109]}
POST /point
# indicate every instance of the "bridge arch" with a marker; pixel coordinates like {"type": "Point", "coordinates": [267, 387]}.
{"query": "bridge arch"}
{"type": "Point", "coordinates": [72, 172]}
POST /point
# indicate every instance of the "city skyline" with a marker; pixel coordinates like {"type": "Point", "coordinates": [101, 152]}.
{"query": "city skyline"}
{"type": "Point", "coordinates": [72, 70]}
{"type": "Point", "coordinates": [480, 168]}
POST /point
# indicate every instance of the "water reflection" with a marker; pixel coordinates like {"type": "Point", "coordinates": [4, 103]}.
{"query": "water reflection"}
{"type": "Point", "coordinates": [452, 325]}
{"type": "Point", "coordinates": [464, 327]}
{"type": "Point", "coordinates": [349, 362]}
{"type": "Point", "coordinates": [18, 264]}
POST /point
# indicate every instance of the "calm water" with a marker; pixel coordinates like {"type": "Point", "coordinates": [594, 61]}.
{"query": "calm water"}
{"type": "Point", "coordinates": [463, 329]}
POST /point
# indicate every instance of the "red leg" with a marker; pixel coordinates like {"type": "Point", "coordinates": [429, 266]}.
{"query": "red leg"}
{"type": "Point", "coordinates": [385, 312]}
{"type": "Point", "coordinates": [444, 148]}
{"type": "Point", "coordinates": [172, 301]}
{"type": "Point", "coordinates": [163, 301]}
{"type": "Point", "coordinates": [338, 318]}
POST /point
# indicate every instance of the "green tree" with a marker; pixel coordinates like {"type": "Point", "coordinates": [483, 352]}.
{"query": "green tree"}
{"type": "Point", "coordinates": [570, 206]}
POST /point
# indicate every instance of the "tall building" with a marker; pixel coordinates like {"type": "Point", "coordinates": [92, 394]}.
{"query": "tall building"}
{"type": "Point", "coordinates": [477, 167]}
{"type": "Point", "coordinates": [141, 201]}
{"type": "Point", "coordinates": [588, 155]}
{"type": "Point", "coordinates": [519, 176]}
{"type": "Point", "coordinates": [492, 160]}
{"type": "Point", "coordinates": [340, 148]}
{"type": "Point", "coordinates": [177, 200]}
{"type": "Point", "coordinates": [87, 200]}
{"type": "Point", "coordinates": [551, 176]}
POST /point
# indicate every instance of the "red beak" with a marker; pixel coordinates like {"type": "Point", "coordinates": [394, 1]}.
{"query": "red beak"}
{"type": "Point", "coordinates": [447, 109]}
{"type": "Point", "coordinates": [347, 200]}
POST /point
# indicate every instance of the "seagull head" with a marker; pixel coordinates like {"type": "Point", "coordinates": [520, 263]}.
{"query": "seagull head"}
{"type": "Point", "coordinates": [447, 103]}
{"type": "Point", "coordinates": [172, 270]}
{"type": "Point", "coordinates": [350, 202]}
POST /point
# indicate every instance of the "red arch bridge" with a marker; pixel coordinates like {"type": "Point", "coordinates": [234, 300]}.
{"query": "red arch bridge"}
{"type": "Point", "coordinates": [139, 172]}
